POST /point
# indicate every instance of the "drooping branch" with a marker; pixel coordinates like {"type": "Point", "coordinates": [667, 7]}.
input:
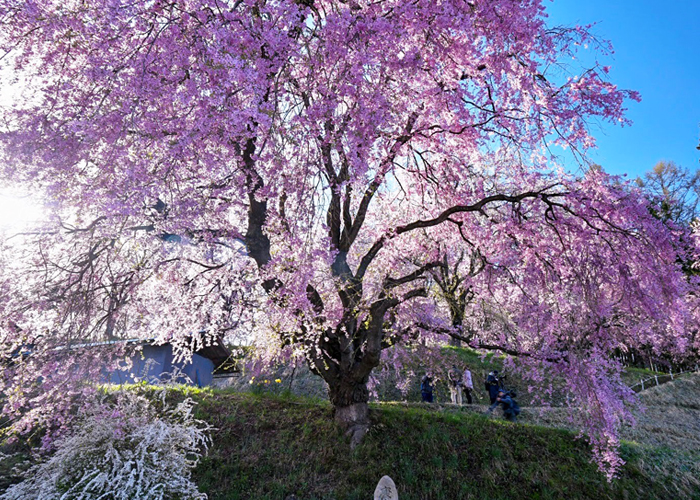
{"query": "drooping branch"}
{"type": "Point", "coordinates": [445, 216]}
{"type": "Point", "coordinates": [485, 346]}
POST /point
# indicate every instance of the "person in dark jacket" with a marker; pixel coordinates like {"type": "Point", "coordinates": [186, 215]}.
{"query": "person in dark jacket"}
{"type": "Point", "coordinates": [426, 388]}
{"type": "Point", "coordinates": [510, 407]}
{"type": "Point", "coordinates": [493, 385]}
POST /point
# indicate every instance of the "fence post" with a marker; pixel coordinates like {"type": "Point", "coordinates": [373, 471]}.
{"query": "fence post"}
{"type": "Point", "coordinates": [670, 372]}
{"type": "Point", "coordinates": [656, 377]}
{"type": "Point", "coordinates": [642, 382]}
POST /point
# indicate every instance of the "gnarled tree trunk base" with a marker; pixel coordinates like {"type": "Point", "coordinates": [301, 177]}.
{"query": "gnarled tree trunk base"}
{"type": "Point", "coordinates": [354, 419]}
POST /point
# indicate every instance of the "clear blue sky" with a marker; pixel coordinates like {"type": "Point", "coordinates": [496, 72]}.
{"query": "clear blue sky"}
{"type": "Point", "coordinates": [657, 52]}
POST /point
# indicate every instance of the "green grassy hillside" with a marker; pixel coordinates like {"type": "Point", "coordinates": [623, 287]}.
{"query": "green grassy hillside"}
{"type": "Point", "coordinates": [270, 447]}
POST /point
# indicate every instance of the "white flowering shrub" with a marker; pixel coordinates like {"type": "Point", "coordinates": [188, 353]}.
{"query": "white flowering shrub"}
{"type": "Point", "coordinates": [125, 450]}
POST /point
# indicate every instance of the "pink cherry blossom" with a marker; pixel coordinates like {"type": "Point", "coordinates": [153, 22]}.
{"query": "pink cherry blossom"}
{"type": "Point", "coordinates": [292, 172]}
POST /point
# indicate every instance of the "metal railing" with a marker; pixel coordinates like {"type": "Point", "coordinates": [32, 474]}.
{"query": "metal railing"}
{"type": "Point", "coordinates": [655, 380]}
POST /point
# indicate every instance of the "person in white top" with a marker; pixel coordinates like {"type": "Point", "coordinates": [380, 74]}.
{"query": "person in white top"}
{"type": "Point", "coordinates": [468, 385]}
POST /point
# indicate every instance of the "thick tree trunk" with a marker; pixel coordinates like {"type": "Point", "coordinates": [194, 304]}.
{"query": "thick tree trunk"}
{"type": "Point", "coordinates": [349, 398]}
{"type": "Point", "coordinates": [457, 324]}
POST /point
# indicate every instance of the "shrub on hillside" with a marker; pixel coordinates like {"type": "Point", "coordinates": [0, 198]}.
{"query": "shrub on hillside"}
{"type": "Point", "coordinates": [120, 451]}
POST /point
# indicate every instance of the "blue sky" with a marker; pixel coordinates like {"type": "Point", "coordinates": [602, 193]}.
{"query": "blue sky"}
{"type": "Point", "coordinates": [657, 52]}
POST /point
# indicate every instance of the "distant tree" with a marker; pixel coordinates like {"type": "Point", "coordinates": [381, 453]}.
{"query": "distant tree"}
{"type": "Point", "coordinates": [674, 191]}
{"type": "Point", "coordinates": [203, 154]}
{"type": "Point", "coordinates": [452, 281]}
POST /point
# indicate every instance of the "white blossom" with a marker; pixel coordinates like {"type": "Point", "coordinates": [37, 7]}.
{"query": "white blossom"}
{"type": "Point", "coordinates": [123, 451]}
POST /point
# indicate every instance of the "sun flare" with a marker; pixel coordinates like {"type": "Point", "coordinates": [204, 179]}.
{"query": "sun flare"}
{"type": "Point", "coordinates": [18, 211]}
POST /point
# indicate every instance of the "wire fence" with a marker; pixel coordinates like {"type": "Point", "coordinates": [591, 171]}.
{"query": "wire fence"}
{"type": "Point", "coordinates": [655, 380]}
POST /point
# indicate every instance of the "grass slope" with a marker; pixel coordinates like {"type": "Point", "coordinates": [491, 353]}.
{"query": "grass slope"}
{"type": "Point", "coordinates": [269, 447]}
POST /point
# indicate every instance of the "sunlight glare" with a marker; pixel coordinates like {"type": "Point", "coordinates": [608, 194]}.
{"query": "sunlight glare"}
{"type": "Point", "coordinates": [18, 211]}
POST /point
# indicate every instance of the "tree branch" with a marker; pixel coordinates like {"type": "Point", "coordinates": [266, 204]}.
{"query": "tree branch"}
{"type": "Point", "coordinates": [445, 215]}
{"type": "Point", "coordinates": [390, 282]}
{"type": "Point", "coordinates": [378, 179]}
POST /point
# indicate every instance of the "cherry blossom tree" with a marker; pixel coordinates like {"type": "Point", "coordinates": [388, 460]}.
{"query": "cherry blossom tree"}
{"type": "Point", "coordinates": [203, 157]}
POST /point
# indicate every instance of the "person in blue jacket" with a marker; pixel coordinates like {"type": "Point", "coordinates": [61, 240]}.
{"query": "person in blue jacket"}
{"type": "Point", "coordinates": [510, 407]}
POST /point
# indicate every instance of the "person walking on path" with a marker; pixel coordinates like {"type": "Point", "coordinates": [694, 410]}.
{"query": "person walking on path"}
{"type": "Point", "coordinates": [454, 379]}
{"type": "Point", "coordinates": [467, 384]}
